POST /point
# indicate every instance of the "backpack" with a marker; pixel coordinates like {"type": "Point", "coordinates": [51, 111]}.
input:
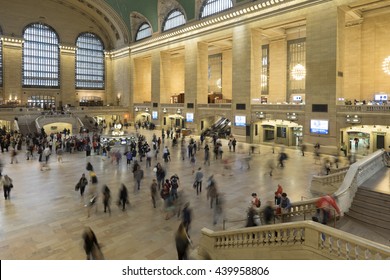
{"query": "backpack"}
{"type": "Point", "coordinates": [94, 179]}
{"type": "Point", "coordinates": [174, 183]}
{"type": "Point", "coordinates": [257, 202]}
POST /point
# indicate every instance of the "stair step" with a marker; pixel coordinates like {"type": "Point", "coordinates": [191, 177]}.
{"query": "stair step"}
{"type": "Point", "coordinates": [382, 214]}
{"type": "Point", "coordinates": [369, 200]}
{"type": "Point", "coordinates": [373, 194]}
{"type": "Point", "coordinates": [369, 220]}
{"type": "Point", "coordinates": [383, 208]}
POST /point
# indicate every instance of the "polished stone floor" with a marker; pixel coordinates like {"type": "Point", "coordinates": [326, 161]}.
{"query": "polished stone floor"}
{"type": "Point", "coordinates": [45, 217]}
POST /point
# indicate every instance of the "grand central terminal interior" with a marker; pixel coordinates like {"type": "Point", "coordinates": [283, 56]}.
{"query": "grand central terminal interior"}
{"type": "Point", "coordinates": [274, 74]}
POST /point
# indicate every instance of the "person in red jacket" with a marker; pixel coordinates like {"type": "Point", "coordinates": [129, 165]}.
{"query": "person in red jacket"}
{"type": "Point", "coordinates": [278, 194]}
{"type": "Point", "coordinates": [324, 205]}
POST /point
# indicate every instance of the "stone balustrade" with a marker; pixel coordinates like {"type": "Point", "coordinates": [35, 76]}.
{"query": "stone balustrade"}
{"type": "Point", "coordinates": [328, 183]}
{"type": "Point", "coordinates": [356, 175]}
{"type": "Point", "coordinates": [363, 108]}
{"type": "Point", "coordinates": [299, 240]}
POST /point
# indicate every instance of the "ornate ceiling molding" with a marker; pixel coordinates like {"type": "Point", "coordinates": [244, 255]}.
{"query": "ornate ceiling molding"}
{"type": "Point", "coordinates": [103, 17]}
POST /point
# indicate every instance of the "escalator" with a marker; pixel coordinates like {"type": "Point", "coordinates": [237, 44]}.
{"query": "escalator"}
{"type": "Point", "coordinates": [221, 128]}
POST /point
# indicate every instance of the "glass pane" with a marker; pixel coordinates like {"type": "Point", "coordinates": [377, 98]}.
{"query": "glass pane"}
{"type": "Point", "coordinates": [40, 56]}
{"type": "Point", "coordinates": [212, 7]}
{"type": "Point", "coordinates": [174, 19]}
{"type": "Point", "coordinates": [143, 32]}
{"type": "Point", "coordinates": [89, 62]}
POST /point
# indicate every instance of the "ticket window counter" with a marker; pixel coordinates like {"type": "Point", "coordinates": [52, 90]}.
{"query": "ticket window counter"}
{"type": "Point", "coordinates": [282, 135]}
{"type": "Point", "coordinates": [268, 134]}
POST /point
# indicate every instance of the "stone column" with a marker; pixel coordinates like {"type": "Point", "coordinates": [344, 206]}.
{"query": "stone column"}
{"type": "Point", "coordinates": [67, 82]}
{"type": "Point", "coordinates": [202, 72]}
{"type": "Point", "coordinates": [321, 78]}
{"type": "Point", "coordinates": [166, 75]}
{"type": "Point", "coordinates": [121, 78]}
{"type": "Point", "coordinates": [195, 78]}
{"type": "Point", "coordinates": [241, 79]}
{"type": "Point", "coordinates": [12, 62]}
{"type": "Point", "coordinates": [155, 73]}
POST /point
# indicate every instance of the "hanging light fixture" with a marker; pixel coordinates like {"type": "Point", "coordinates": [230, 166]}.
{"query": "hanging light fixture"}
{"type": "Point", "coordinates": [298, 72]}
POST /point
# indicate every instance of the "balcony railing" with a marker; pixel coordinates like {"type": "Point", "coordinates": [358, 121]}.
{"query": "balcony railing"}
{"type": "Point", "coordinates": [299, 240]}
{"type": "Point", "coordinates": [363, 108]}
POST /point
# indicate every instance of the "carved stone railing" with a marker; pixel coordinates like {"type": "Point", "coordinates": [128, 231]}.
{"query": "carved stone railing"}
{"type": "Point", "coordinates": [278, 107]}
{"type": "Point", "coordinates": [46, 119]}
{"type": "Point", "coordinates": [215, 106]}
{"type": "Point", "coordinates": [363, 108]}
{"type": "Point", "coordinates": [328, 183]}
{"type": "Point", "coordinates": [356, 175]}
{"type": "Point", "coordinates": [299, 240]}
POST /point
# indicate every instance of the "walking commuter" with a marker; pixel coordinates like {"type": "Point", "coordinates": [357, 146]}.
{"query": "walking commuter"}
{"type": "Point", "coordinates": [106, 199]}
{"type": "Point", "coordinates": [123, 197]}
{"type": "Point", "coordinates": [198, 181]}
{"type": "Point", "coordinates": [153, 192]}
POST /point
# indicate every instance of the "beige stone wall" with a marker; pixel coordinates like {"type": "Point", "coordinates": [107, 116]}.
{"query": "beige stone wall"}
{"type": "Point", "coordinates": [375, 48]}
{"type": "Point", "coordinates": [277, 71]}
{"type": "Point", "coordinates": [120, 80]}
{"type": "Point", "coordinates": [227, 74]}
{"type": "Point", "coordinates": [12, 75]}
{"type": "Point", "coordinates": [177, 74]}
{"type": "Point", "coordinates": [142, 80]}
{"type": "Point", "coordinates": [67, 71]}
{"type": "Point", "coordinates": [352, 63]}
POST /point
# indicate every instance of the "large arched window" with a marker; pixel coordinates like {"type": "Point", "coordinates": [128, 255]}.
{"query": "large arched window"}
{"type": "Point", "coordinates": [1, 59]}
{"type": "Point", "coordinates": [89, 62]}
{"type": "Point", "coordinates": [41, 56]}
{"type": "Point", "coordinates": [144, 31]}
{"type": "Point", "coordinates": [174, 19]}
{"type": "Point", "coordinates": [212, 7]}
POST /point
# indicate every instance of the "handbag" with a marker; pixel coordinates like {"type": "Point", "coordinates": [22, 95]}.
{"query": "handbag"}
{"type": "Point", "coordinates": [77, 187]}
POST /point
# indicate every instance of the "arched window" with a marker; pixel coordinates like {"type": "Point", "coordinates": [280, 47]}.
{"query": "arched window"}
{"type": "Point", "coordinates": [41, 57]}
{"type": "Point", "coordinates": [212, 7]}
{"type": "Point", "coordinates": [174, 19]}
{"type": "Point", "coordinates": [144, 31]}
{"type": "Point", "coordinates": [89, 62]}
{"type": "Point", "coordinates": [1, 60]}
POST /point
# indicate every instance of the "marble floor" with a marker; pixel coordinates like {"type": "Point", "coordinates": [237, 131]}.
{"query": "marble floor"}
{"type": "Point", "coordinates": [45, 217]}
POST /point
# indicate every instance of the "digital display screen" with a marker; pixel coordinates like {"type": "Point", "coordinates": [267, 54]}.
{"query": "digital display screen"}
{"type": "Point", "coordinates": [154, 115]}
{"type": "Point", "coordinates": [297, 98]}
{"type": "Point", "coordinates": [319, 126]}
{"type": "Point", "coordinates": [190, 117]}
{"type": "Point", "coordinates": [240, 120]}
{"type": "Point", "coordinates": [380, 97]}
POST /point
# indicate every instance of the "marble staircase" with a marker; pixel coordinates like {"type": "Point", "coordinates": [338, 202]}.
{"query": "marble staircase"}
{"type": "Point", "coordinates": [371, 207]}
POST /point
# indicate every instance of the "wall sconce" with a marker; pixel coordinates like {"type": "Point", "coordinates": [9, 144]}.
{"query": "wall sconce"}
{"type": "Point", "coordinates": [164, 110]}
{"type": "Point", "coordinates": [292, 116]}
{"type": "Point", "coordinates": [146, 109]}
{"type": "Point", "coordinates": [260, 115]}
{"type": "Point", "coordinates": [352, 119]}
{"type": "Point", "coordinates": [178, 111]}
{"type": "Point", "coordinates": [136, 109]}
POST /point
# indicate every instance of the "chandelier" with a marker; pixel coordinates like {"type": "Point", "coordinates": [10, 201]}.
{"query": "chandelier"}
{"type": "Point", "coordinates": [386, 65]}
{"type": "Point", "coordinates": [298, 72]}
